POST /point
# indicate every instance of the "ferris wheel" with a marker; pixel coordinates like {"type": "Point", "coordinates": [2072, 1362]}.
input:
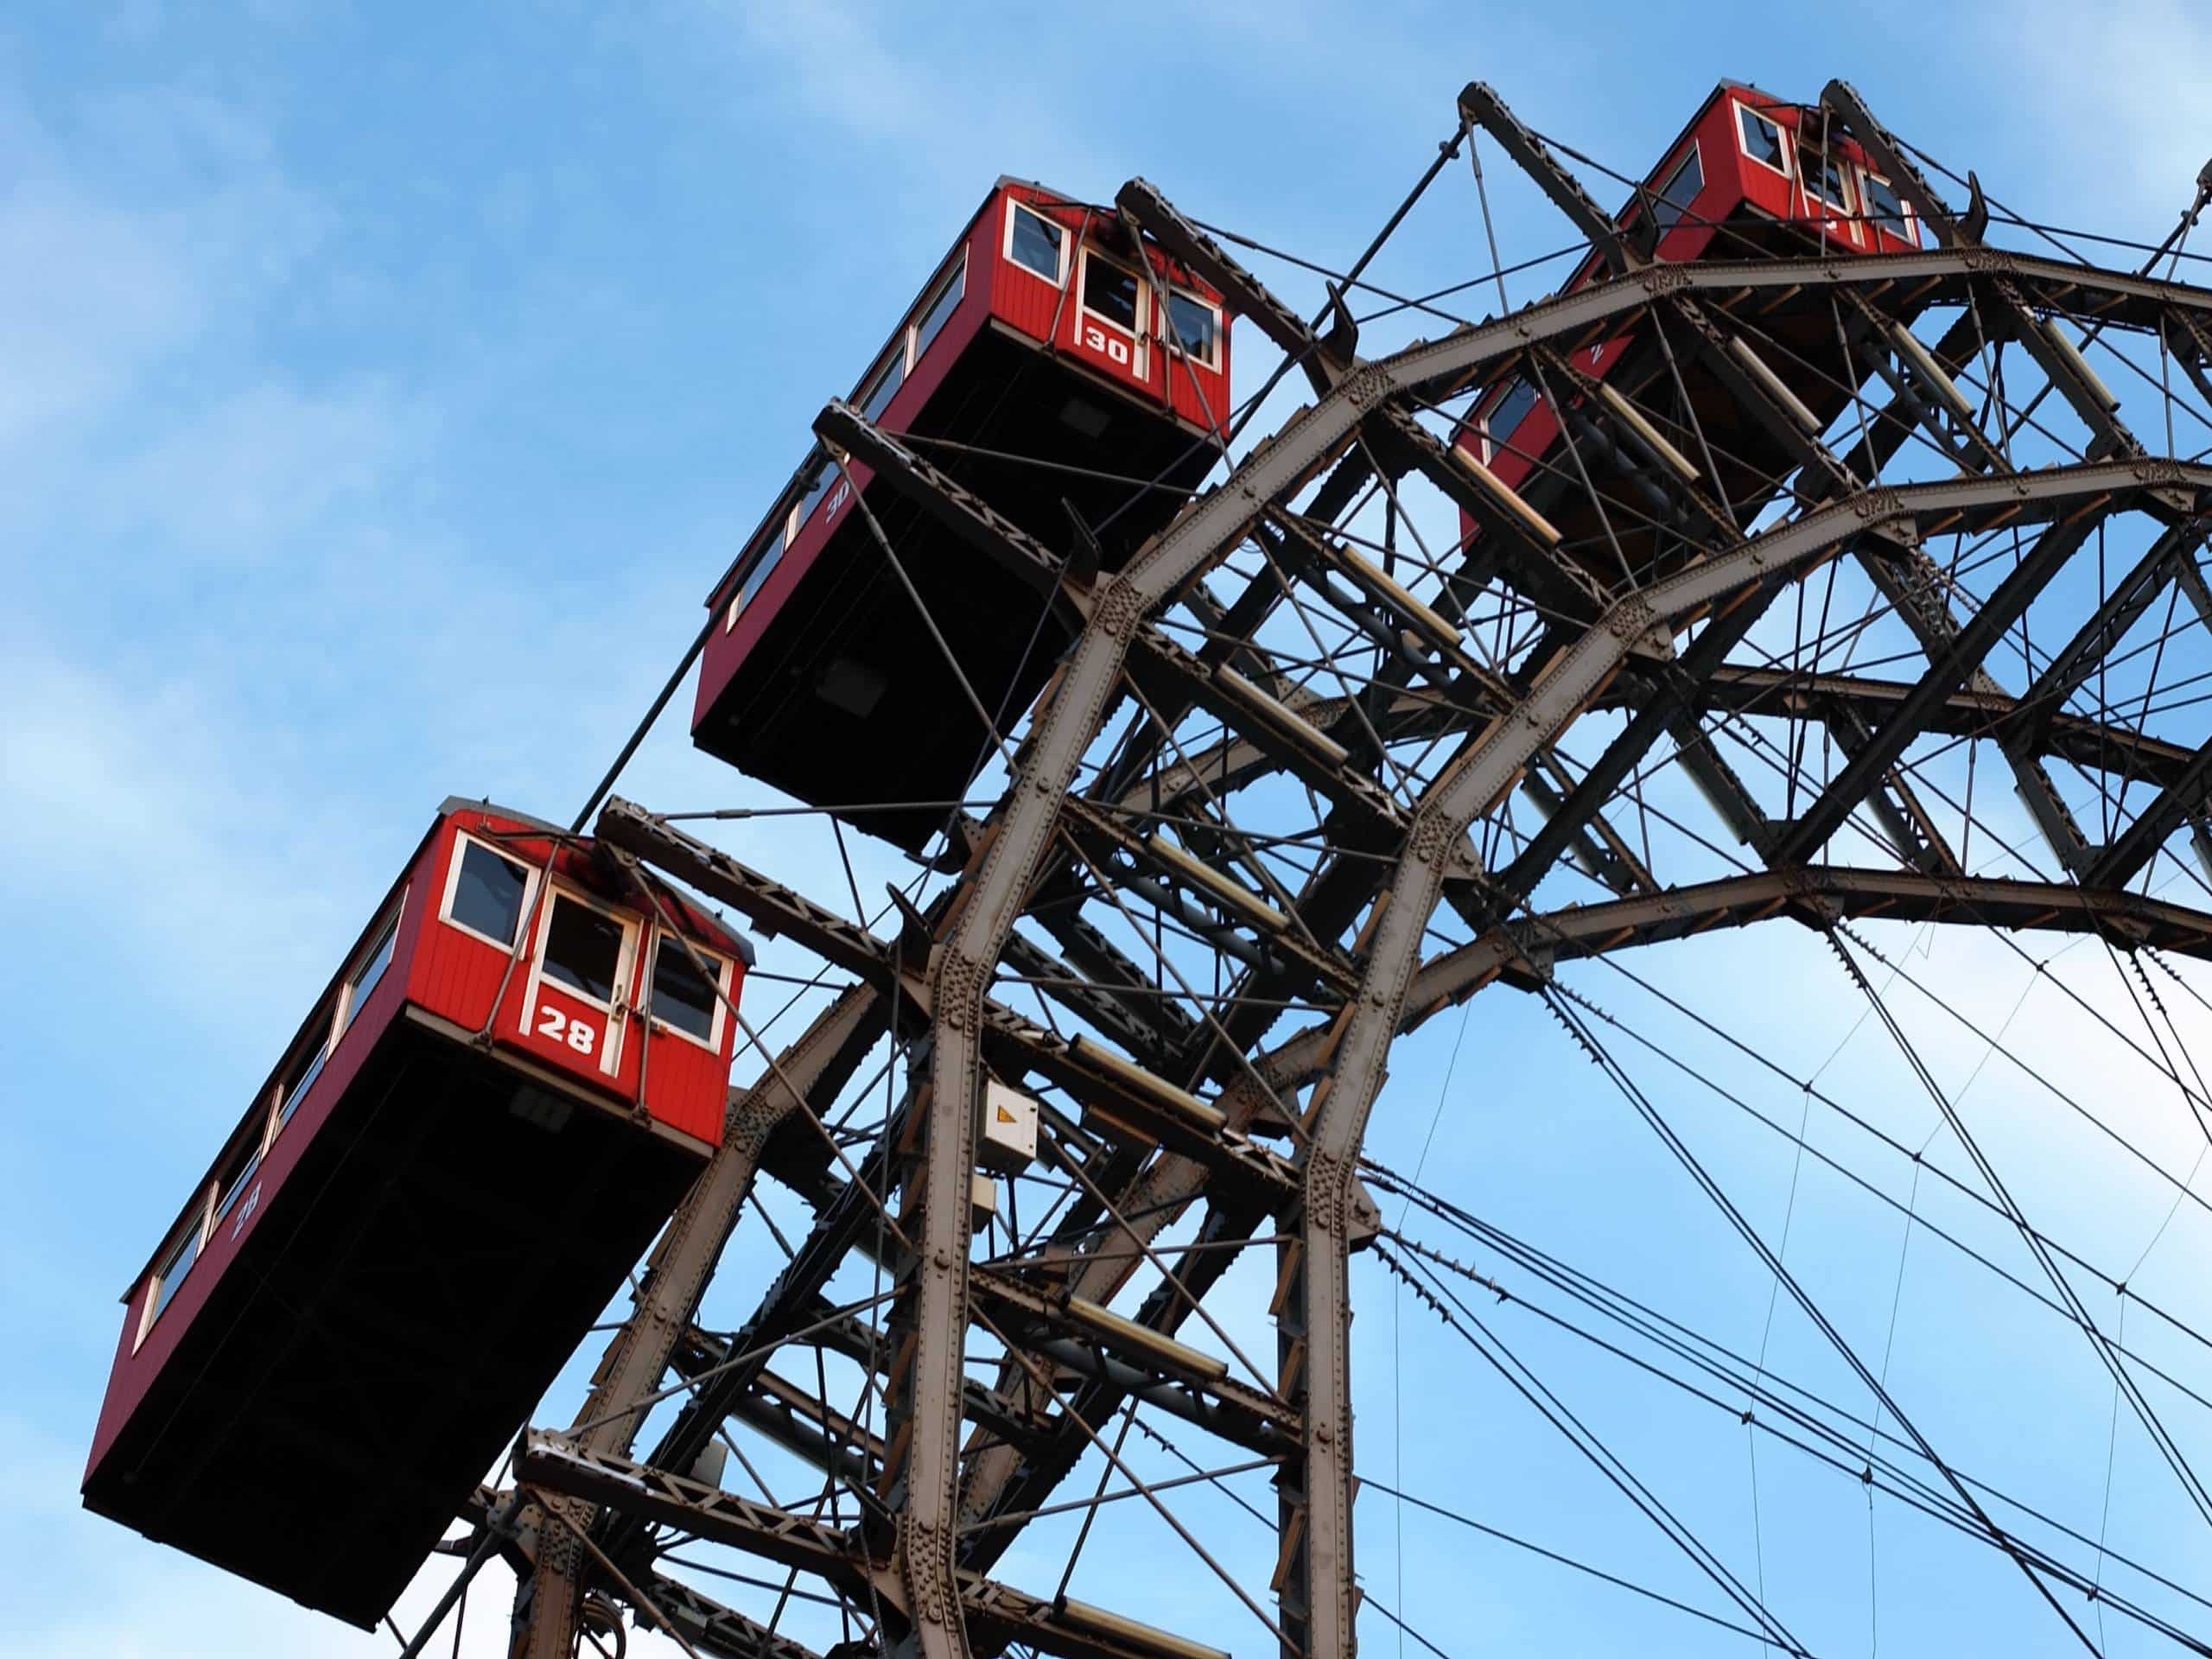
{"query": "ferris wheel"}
{"type": "Point", "coordinates": [1824, 548]}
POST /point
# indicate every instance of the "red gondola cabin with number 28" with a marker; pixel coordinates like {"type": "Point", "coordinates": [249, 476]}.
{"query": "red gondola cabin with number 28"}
{"type": "Point", "coordinates": [493, 1106]}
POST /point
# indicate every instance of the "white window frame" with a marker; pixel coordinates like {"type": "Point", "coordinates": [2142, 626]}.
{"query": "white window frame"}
{"type": "Point", "coordinates": [957, 273]}
{"type": "Point", "coordinates": [153, 1308]}
{"type": "Point", "coordinates": [801, 511]}
{"type": "Point", "coordinates": [1208, 360]}
{"type": "Point", "coordinates": [1788, 144]}
{"type": "Point", "coordinates": [344, 1022]}
{"type": "Point", "coordinates": [663, 939]}
{"type": "Point", "coordinates": [1693, 156]}
{"type": "Point", "coordinates": [316, 1059]}
{"type": "Point", "coordinates": [883, 363]}
{"type": "Point", "coordinates": [769, 556]}
{"type": "Point", "coordinates": [461, 840]}
{"type": "Point", "coordinates": [1482, 422]}
{"type": "Point", "coordinates": [1140, 357]}
{"type": "Point", "coordinates": [618, 1010]}
{"type": "Point", "coordinates": [1905, 216]}
{"type": "Point", "coordinates": [1059, 279]}
{"type": "Point", "coordinates": [215, 1186]}
{"type": "Point", "coordinates": [1813, 200]}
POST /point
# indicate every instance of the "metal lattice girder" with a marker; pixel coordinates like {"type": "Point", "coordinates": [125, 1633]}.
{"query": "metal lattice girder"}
{"type": "Point", "coordinates": [676, 1277]}
{"type": "Point", "coordinates": [2173, 551]}
{"type": "Point", "coordinates": [2063, 537]}
{"type": "Point", "coordinates": [2117, 865]}
{"type": "Point", "coordinates": [713, 1628]}
{"type": "Point", "coordinates": [1119, 829]}
{"type": "Point", "coordinates": [1246, 295]}
{"type": "Point", "coordinates": [2054, 356]}
{"type": "Point", "coordinates": [1480, 105]}
{"type": "Point", "coordinates": [843, 1557]}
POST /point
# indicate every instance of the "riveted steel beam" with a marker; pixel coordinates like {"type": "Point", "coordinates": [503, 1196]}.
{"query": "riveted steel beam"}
{"type": "Point", "coordinates": [1485, 109]}
{"type": "Point", "coordinates": [842, 1557]}
{"type": "Point", "coordinates": [676, 1277]}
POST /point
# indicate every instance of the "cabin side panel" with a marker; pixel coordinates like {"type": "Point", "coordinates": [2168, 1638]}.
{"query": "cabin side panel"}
{"type": "Point", "coordinates": [1019, 297]}
{"type": "Point", "coordinates": [141, 1350]}
{"type": "Point", "coordinates": [456, 974]}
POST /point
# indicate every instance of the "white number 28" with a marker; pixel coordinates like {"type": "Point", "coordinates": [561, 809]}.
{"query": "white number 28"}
{"type": "Point", "coordinates": [579, 1035]}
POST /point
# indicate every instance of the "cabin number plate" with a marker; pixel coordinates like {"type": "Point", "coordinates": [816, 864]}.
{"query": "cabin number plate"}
{"type": "Point", "coordinates": [579, 1035]}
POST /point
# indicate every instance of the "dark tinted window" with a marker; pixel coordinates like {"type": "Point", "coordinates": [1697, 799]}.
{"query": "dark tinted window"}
{"type": "Point", "coordinates": [939, 306]}
{"type": "Point", "coordinates": [237, 1172]}
{"type": "Point", "coordinates": [1884, 207]}
{"type": "Point", "coordinates": [884, 383]}
{"type": "Point", "coordinates": [487, 897]}
{"type": "Point", "coordinates": [1761, 138]}
{"type": "Point", "coordinates": [1680, 189]}
{"type": "Point", "coordinates": [371, 968]}
{"type": "Point", "coordinates": [1194, 325]}
{"type": "Point", "coordinates": [818, 486]}
{"type": "Point", "coordinates": [1510, 411]}
{"type": "Point", "coordinates": [583, 949]}
{"type": "Point", "coordinates": [763, 565]}
{"type": "Point", "coordinates": [1823, 177]}
{"type": "Point", "coordinates": [176, 1265]}
{"type": "Point", "coordinates": [1036, 242]}
{"type": "Point", "coordinates": [307, 1066]}
{"type": "Point", "coordinates": [1111, 292]}
{"type": "Point", "coordinates": [682, 995]}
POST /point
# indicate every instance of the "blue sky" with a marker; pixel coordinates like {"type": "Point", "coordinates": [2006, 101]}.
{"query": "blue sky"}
{"type": "Point", "coordinates": [384, 387]}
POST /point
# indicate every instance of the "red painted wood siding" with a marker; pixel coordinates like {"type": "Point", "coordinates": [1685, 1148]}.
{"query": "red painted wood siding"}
{"type": "Point", "coordinates": [1152, 370]}
{"type": "Point", "coordinates": [1731, 180]}
{"type": "Point", "coordinates": [443, 971]}
{"type": "Point", "coordinates": [457, 974]}
{"type": "Point", "coordinates": [994, 287]}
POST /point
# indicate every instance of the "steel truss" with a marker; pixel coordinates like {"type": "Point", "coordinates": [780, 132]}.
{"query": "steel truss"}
{"type": "Point", "coordinates": [1243, 843]}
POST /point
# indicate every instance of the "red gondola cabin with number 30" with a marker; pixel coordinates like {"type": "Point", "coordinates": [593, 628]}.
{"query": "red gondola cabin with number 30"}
{"type": "Point", "coordinates": [494, 1105]}
{"type": "Point", "coordinates": [1057, 365]}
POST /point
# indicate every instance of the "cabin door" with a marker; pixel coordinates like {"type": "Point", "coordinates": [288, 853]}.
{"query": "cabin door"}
{"type": "Point", "coordinates": [576, 1006]}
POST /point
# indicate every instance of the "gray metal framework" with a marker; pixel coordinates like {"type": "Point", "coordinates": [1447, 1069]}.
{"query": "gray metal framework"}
{"type": "Point", "coordinates": [1274, 810]}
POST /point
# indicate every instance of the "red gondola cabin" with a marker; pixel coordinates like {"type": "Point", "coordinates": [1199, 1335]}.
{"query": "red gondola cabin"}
{"type": "Point", "coordinates": [494, 1105]}
{"type": "Point", "coordinates": [1750, 177]}
{"type": "Point", "coordinates": [1050, 362]}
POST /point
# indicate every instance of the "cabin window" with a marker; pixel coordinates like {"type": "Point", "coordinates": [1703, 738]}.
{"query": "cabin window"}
{"type": "Point", "coordinates": [1823, 177]}
{"type": "Point", "coordinates": [1507, 412]}
{"type": "Point", "coordinates": [684, 999]}
{"type": "Point", "coordinates": [818, 486]}
{"type": "Point", "coordinates": [1110, 293]}
{"type": "Point", "coordinates": [1036, 242]}
{"type": "Point", "coordinates": [765, 552]}
{"type": "Point", "coordinates": [488, 892]}
{"type": "Point", "coordinates": [583, 948]}
{"type": "Point", "coordinates": [880, 388]}
{"type": "Point", "coordinates": [232, 1182]}
{"type": "Point", "coordinates": [1885, 208]}
{"type": "Point", "coordinates": [937, 308]}
{"type": "Point", "coordinates": [176, 1262]}
{"type": "Point", "coordinates": [1196, 328]}
{"type": "Point", "coordinates": [306, 1067]}
{"type": "Point", "coordinates": [762, 568]}
{"type": "Point", "coordinates": [366, 976]}
{"type": "Point", "coordinates": [1676, 195]}
{"type": "Point", "coordinates": [1762, 139]}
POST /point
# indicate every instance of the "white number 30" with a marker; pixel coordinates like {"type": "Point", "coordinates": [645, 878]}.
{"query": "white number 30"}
{"type": "Point", "coordinates": [551, 1022]}
{"type": "Point", "coordinates": [1099, 341]}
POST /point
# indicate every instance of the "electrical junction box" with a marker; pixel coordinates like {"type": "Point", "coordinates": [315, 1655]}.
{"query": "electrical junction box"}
{"type": "Point", "coordinates": [1008, 1143]}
